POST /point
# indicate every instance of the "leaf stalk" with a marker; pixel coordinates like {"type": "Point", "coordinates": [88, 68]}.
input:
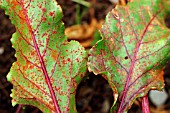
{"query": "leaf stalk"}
{"type": "Point", "coordinates": [145, 104]}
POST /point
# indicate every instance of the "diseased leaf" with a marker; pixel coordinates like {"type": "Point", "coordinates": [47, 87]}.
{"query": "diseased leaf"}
{"type": "Point", "coordinates": [48, 68]}
{"type": "Point", "coordinates": [133, 51]}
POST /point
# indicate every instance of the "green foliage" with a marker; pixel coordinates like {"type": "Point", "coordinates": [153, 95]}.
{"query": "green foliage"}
{"type": "Point", "coordinates": [131, 55]}
{"type": "Point", "coordinates": [133, 51]}
{"type": "Point", "coordinates": [48, 68]}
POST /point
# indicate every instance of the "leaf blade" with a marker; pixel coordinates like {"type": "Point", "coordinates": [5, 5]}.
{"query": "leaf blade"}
{"type": "Point", "coordinates": [133, 49]}
{"type": "Point", "coordinates": [40, 39]}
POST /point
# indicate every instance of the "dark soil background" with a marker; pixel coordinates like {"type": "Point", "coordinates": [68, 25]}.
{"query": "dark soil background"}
{"type": "Point", "coordinates": [94, 95]}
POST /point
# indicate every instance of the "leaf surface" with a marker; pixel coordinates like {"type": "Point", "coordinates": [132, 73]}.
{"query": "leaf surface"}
{"type": "Point", "coordinates": [48, 68]}
{"type": "Point", "coordinates": [133, 51]}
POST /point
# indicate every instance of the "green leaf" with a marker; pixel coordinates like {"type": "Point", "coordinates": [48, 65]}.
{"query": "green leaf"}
{"type": "Point", "coordinates": [48, 67]}
{"type": "Point", "coordinates": [133, 51]}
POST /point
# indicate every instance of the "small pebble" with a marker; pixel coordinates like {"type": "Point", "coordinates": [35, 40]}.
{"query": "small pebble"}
{"type": "Point", "coordinates": [158, 97]}
{"type": "Point", "coordinates": [1, 50]}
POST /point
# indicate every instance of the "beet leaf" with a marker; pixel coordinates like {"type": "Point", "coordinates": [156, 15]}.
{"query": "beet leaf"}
{"type": "Point", "coordinates": [133, 51]}
{"type": "Point", "coordinates": [48, 67]}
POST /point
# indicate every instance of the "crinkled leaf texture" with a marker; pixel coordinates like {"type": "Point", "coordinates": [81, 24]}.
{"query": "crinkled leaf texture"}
{"type": "Point", "coordinates": [133, 51]}
{"type": "Point", "coordinates": [46, 62]}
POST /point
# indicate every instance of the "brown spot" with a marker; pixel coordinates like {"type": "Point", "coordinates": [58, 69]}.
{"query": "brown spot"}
{"type": "Point", "coordinates": [31, 67]}
{"type": "Point", "coordinates": [44, 34]}
{"type": "Point", "coordinates": [64, 62]}
{"type": "Point", "coordinates": [44, 19]}
{"type": "Point", "coordinates": [68, 59]}
{"type": "Point", "coordinates": [44, 9]}
{"type": "Point", "coordinates": [126, 57]}
{"type": "Point", "coordinates": [51, 13]}
{"type": "Point", "coordinates": [63, 73]}
{"type": "Point", "coordinates": [77, 59]}
{"type": "Point", "coordinates": [52, 71]}
{"type": "Point", "coordinates": [54, 54]}
{"type": "Point", "coordinates": [54, 32]}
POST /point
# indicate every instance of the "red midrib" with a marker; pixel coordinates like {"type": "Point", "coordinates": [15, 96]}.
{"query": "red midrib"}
{"type": "Point", "coordinates": [132, 66]}
{"type": "Point", "coordinates": [56, 106]}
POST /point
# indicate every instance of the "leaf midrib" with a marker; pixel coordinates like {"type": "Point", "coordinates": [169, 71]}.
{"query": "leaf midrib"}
{"type": "Point", "coordinates": [47, 79]}
{"type": "Point", "coordinates": [122, 104]}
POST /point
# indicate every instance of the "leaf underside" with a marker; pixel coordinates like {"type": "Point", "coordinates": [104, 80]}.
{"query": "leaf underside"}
{"type": "Point", "coordinates": [133, 51]}
{"type": "Point", "coordinates": [46, 62]}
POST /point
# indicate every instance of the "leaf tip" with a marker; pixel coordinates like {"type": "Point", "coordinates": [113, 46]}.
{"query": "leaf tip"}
{"type": "Point", "coordinates": [14, 103]}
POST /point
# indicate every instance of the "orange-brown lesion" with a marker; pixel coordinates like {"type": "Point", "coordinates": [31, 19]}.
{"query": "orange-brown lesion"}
{"type": "Point", "coordinates": [158, 74]}
{"type": "Point", "coordinates": [18, 12]}
{"type": "Point", "coordinates": [14, 5]}
{"type": "Point", "coordinates": [21, 16]}
{"type": "Point", "coordinates": [54, 54]}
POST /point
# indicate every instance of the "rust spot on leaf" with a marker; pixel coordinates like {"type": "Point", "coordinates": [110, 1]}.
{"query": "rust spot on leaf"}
{"type": "Point", "coordinates": [64, 62]}
{"type": "Point", "coordinates": [54, 54]}
{"type": "Point", "coordinates": [54, 32]}
{"type": "Point", "coordinates": [68, 60]}
{"type": "Point", "coordinates": [51, 13]}
{"type": "Point", "coordinates": [44, 19]}
{"type": "Point", "coordinates": [44, 10]}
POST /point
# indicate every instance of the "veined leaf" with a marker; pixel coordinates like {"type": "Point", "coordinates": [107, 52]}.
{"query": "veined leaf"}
{"type": "Point", "coordinates": [48, 68]}
{"type": "Point", "coordinates": [133, 51]}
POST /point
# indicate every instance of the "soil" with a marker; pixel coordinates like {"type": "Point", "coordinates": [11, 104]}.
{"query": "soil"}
{"type": "Point", "coordinates": [94, 95]}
